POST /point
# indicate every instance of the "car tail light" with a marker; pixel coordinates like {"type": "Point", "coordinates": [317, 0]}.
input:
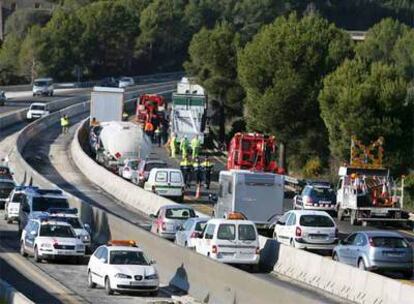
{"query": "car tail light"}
{"type": "Point", "coordinates": [214, 249]}
{"type": "Point", "coordinates": [257, 250]}
{"type": "Point", "coordinates": [308, 201]}
{"type": "Point", "coordinates": [298, 232]}
{"type": "Point", "coordinates": [163, 226]}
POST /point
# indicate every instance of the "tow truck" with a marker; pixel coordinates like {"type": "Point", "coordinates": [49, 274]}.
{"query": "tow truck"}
{"type": "Point", "coordinates": [148, 106]}
{"type": "Point", "coordinates": [366, 191]}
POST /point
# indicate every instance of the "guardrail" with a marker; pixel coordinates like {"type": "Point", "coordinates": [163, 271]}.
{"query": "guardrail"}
{"type": "Point", "coordinates": [201, 277]}
{"type": "Point", "coordinates": [89, 84]}
{"type": "Point", "coordinates": [11, 296]}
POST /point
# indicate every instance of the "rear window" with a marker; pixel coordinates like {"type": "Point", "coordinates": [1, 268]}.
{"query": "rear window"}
{"type": "Point", "coordinates": [179, 213]}
{"type": "Point", "coordinates": [312, 220]}
{"type": "Point", "coordinates": [44, 203]}
{"type": "Point", "coordinates": [226, 232]}
{"type": "Point", "coordinates": [150, 166]}
{"type": "Point", "coordinates": [247, 233]}
{"type": "Point", "coordinates": [323, 192]}
{"type": "Point", "coordinates": [175, 177]}
{"type": "Point", "coordinates": [17, 198]}
{"type": "Point", "coordinates": [161, 177]}
{"type": "Point", "coordinates": [134, 164]}
{"type": "Point", "coordinates": [389, 242]}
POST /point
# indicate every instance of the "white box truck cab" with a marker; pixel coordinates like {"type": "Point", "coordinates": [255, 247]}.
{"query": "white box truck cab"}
{"type": "Point", "coordinates": [257, 195]}
{"type": "Point", "coordinates": [368, 195]}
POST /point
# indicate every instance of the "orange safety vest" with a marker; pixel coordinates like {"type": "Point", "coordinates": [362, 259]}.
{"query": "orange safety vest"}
{"type": "Point", "coordinates": [149, 127]}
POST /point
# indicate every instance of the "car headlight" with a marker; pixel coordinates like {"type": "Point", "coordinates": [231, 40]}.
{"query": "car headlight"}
{"type": "Point", "coordinates": [152, 277]}
{"type": "Point", "coordinates": [46, 245]}
{"type": "Point", "coordinates": [122, 276]}
{"type": "Point", "coordinates": [86, 238]}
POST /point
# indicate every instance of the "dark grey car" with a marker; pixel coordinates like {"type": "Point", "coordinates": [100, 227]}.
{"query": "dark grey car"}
{"type": "Point", "coordinates": [376, 251]}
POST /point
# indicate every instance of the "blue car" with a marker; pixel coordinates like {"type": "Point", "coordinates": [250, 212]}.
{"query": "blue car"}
{"type": "Point", "coordinates": [376, 251]}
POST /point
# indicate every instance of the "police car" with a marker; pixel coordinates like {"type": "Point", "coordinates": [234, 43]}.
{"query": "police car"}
{"type": "Point", "coordinates": [46, 239]}
{"type": "Point", "coordinates": [70, 215]}
{"type": "Point", "coordinates": [122, 266]}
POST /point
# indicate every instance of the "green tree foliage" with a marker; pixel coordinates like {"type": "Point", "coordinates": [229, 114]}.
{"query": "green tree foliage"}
{"type": "Point", "coordinates": [369, 101]}
{"type": "Point", "coordinates": [9, 58]}
{"type": "Point", "coordinates": [213, 61]}
{"type": "Point", "coordinates": [22, 20]}
{"type": "Point", "coordinates": [281, 71]}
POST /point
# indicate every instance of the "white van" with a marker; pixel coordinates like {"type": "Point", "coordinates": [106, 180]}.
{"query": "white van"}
{"type": "Point", "coordinates": [43, 86]}
{"type": "Point", "coordinates": [166, 182]}
{"type": "Point", "coordinates": [230, 241]}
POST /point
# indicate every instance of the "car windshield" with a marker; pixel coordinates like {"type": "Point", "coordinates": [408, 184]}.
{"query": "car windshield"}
{"type": "Point", "coordinates": [57, 231]}
{"type": "Point", "coordinates": [37, 107]}
{"type": "Point", "coordinates": [74, 222]}
{"type": "Point", "coordinates": [323, 192]}
{"type": "Point", "coordinates": [134, 164]}
{"type": "Point", "coordinates": [17, 198]}
{"type": "Point", "coordinates": [312, 220]}
{"type": "Point", "coordinates": [127, 257]}
{"type": "Point", "coordinates": [40, 83]}
{"type": "Point", "coordinates": [247, 233]}
{"type": "Point", "coordinates": [179, 213]}
{"type": "Point", "coordinates": [389, 242]}
{"type": "Point", "coordinates": [44, 203]}
{"type": "Point", "coordinates": [175, 177]}
{"type": "Point", "coordinates": [226, 232]}
{"type": "Point", "coordinates": [5, 189]}
{"type": "Point", "coordinates": [151, 166]}
{"type": "Point", "coordinates": [200, 226]}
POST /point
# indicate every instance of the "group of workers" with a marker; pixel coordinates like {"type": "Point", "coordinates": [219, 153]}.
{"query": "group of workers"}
{"type": "Point", "coordinates": [200, 170]}
{"type": "Point", "coordinates": [156, 130]}
{"type": "Point", "coordinates": [184, 146]}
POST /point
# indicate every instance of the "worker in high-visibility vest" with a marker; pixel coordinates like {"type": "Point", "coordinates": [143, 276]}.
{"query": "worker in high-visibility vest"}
{"type": "Point", "coordinates": [207, 166]}
{"type": "Point", "coordinates": [195, 146]}
{"type": "Point", "coordinates": [64, 123]}
{"type": "Point", "coordinates": [184, 145]}
{"type": "Point", "coordinates": [173, 145]}
{"type": "Point", "coordinates": [149, 130]}
{"type": "Point", "coordinates": [198, 171]}
{"type": "Point", "coordinates": [186, 168]}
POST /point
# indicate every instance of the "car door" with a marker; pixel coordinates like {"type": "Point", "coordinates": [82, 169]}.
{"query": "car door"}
{"type": "Point", "coordinates": [30, 237]}
{"type": "Point", "coordinates": [344, 251]}
{"type": "Point", "coordinates": [290, 228]}
{"type": "Point", "coordinates": [102, 266]}
{"type": "Point", "coordinates": [181, 235]}
{"type": "Point", "coordinates": [204, 244]}
{"type": "Point", "coordinates": [281, 227]}
{"type": "Point", "coordinates": [95, 263]}
{"type": "Point", "coordinates": [356, 249]}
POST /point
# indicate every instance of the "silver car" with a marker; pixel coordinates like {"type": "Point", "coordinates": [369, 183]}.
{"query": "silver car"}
{"type": "Point", "coordinates": [189, 231]}
{"type": "Point", "coordinates": [169, 219]}
{"type": "Point", "coordinates": [376, 251]}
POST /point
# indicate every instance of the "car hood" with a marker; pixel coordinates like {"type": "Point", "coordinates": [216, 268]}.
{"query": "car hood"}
{"type": "Point", "coordinates": [133, 270]}
{"type": "Point", "coordinates": [61, 241]}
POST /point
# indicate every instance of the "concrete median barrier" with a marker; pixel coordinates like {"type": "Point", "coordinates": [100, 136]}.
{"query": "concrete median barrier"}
{"type": "Point", "coordinates": [10, 295]}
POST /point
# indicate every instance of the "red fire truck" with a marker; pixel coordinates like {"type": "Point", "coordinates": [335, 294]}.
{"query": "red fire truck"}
{"type": "Point", "coordinates": [149, 105]}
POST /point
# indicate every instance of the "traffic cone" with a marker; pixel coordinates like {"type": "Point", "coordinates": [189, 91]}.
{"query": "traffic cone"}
{"type": "Point", "coordinates": [197, 194]}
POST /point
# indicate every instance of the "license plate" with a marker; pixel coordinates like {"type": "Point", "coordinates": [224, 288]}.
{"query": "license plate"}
{"type": "Point", "coordinates": [394, 254]}
{"type": "Point", "coordinates": [135, 283]}
{"type": "Point", "coordinates": [64, 252]}
{"type": "Point", "coordinates": [162, 191]}
{"type": "Point", "coordinates": [317, 237]}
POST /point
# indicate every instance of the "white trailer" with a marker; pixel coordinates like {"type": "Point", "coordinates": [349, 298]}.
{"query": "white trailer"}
{"type": "Point", "coordinates": [119, 141]}
{"type": "Point", "coordinates": [257, 195]}
{"type": "Point", "coordinates": [368, 195]}
{"type": "Point", "coordinates": [107, 104]}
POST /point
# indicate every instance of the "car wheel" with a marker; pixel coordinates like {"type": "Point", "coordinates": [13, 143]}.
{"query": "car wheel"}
{"type": "Point", "coordinates": [335, 257]}
{"type": "Point", "coordinates": [108, 289]}
{"type": "Point", "coordinates": [91, 284]}
{"type": "Point", "coordinates": [361, 264]}
{"type": "Point", "coordinates": [22, 251]}
{"type": "Point", "coordinates": [37, 259]}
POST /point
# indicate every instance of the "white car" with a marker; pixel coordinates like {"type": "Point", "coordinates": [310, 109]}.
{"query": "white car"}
{"type": "Point", "coordinates": [190, 231]}
{"type": "Point", "coordinates": [129, 170]}
{"type": "Point", "coordinates": [48, 239]}
{"type": "Point", "coordinates": [166, 182]}
{"type": "Point", "coordinates": [122, 266]}
{"type": "Point", "coordinates": [11, 209]}
{"type": "Point", "coordinates": [37, 110]}
{"type": "Point", "coordinates": [70, 216]}
{"type": "Point", "coordinates": [233, 241]}
{"type": "Point", "coordinates": [126, 82]}
{"type": "Point", "coordinates": [43, 86]}
{"type": "Point", "coordinates": [307, 229]}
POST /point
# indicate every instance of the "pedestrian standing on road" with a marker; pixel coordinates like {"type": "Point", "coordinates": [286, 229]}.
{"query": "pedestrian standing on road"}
{"type": "Point", "coordinates": [157, 136]}
{"type": "Point", "coordinates": [186, 168]}
{"type": "Point", "coordinates": [207, 166]}
{"type": "Point", "coordinates": [173, 145]}
{"type": "Point", "coordinates": [198, 171]}
{"type": "Point", "coordinates": [184, 145]}
{"type": "Point", "coordinates": [64, 123]}
{"type": "Point", "coordinates": [195, 146]}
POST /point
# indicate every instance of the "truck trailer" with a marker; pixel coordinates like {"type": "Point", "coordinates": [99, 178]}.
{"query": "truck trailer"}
{"type": "Point", "coordinates": [107, 104]}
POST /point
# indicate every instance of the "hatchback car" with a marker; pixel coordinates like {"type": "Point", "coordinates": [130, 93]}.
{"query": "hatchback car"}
{"type": "Point", "coordinates": [376, 251]}
{"type": "Point", "coordinates": [169, 219]}
{"type": "Point", "coordinates": [122, 266]}
{"type": "Point", "coordinates": [189, 231]}
{"type": "Point", "coordinates": [145, 167]}
{"type": "Point", "coordinates": [307, 230]}
{"type": "Point", "coordinates": [316, 196]}
{"type": "Point", "coordinates": [129, 170]}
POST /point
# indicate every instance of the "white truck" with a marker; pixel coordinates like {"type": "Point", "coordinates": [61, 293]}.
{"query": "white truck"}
{"type": "Point", "coordinates": [119, 141]}
{"type": "Point", "coordinates": [189, 106]}
{"type": "Point", "coordinates": [107, 104]}
{"type": "Point", "coordinates": [258, 196]}
{"type": "Point", "coordinates": [368, 195]}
